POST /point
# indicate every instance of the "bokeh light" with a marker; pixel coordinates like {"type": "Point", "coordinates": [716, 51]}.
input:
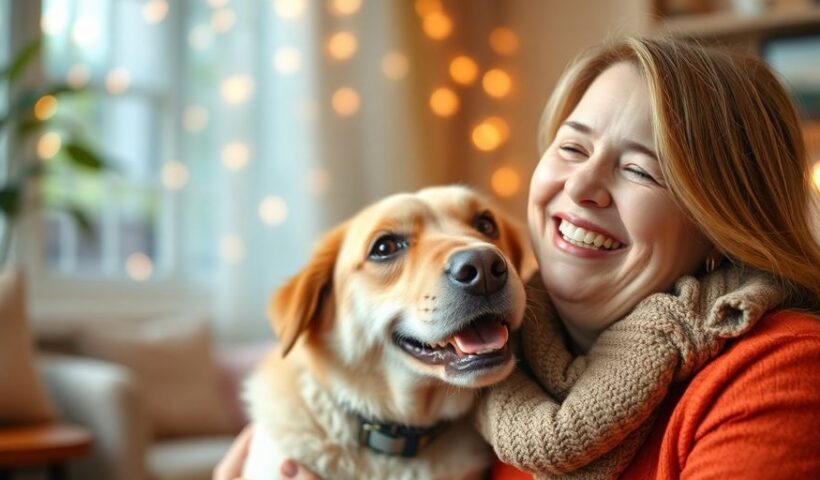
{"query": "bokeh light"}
{"type": "Point", "coordinates": [395, 65]}
{"type": "Point", "coordinates": [48, 145]}
{"type": "Point", "coordinates": [505, 181]}
{"type": "Point", "coordinates": [486, 136]}
{"type": "Point", "coordinates": [344, 8]}
{"type": "Point", "coordinates": [194, 118]}
{"type": "Point", "coordinates": [139, 266]}
{"type": "Point", "coordinates": [200, 37]}
{"type": "Point", "coordinates": [154, 11]}
{"type": "Point", "coordinates": [444, 102]}
{"type": "Point", "coordinates": [427, 7]}
{"type": "Point", "coordinates": [342, 45]}
{"type": "Point", "coordinates": [503, 41]}
{"type": "Point", "coordinates": [218, 3]}
{"type": "Point", "coordinates": [237, 88]}
{"type": "Point", "coordinates": [273, 210]}
{"type": "Point", "coordinates": [86, 31]}
{"type": "Point", "coordinates": [174, 175]}
{"type": "Point", "coordinates": [235, 156]}
{"type": "Point", "coordinates": [500, 125]}
{"type": "Point", "coordinates": [289, 9]}
{"type": "Point", "coordinates": [232, 249]}
{"type": "Point", "coordinates": [497, 83]}
{"type": "Point", "coordinates": [117, 81]}
{"type": "Point", "coordinates": [223, 20]}
{"type": "Point", "coordinates": [463, 70]}
{"type": "Point", "coordinates": [287, 60]}
{"type": "Point", "coordinates": [45, 107]}
{"type": "Point", "coordinates": [437, 25]}
{"type": "Point", "coordinates": [54, 20]}
{"type": "Point", "coordinates": [345, 101]}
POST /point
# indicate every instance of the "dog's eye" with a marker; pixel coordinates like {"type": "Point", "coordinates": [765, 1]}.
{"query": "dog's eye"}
{"type": "Point", "coordinates": [485, 224]}
{"type": "Point", "coordinates": [387, 246]}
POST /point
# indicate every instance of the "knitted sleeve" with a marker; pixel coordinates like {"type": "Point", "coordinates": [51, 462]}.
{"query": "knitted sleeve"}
{"type": "Point", "coordinates": [588, 415]}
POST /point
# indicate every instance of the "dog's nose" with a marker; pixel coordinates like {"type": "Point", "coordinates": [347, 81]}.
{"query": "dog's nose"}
{"type": "Point", "coordinates": [478, 271]}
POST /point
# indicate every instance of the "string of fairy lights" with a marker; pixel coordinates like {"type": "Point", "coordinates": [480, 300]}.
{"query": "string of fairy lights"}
{"type": "Point", "coordinates": [463, 73]}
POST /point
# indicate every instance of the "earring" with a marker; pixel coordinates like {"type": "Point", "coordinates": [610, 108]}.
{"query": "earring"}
{"type": "Point", "coordinates": [711, 264]}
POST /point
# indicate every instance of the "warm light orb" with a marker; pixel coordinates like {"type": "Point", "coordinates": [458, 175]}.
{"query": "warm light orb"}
{"type": "Point", "coordinates": [463, 70]}
{"type": "Point", "coordinates": [154, 11]}
{"type": "Point", "coordinates": [496, 83]}
{"type": "Point", "coordinates": [505, 181]}
{"type": "Point", "coordinates": [318, 181]}
{"type": "Point", "coordinates": [816, 174]}
{"type": "Point", "coordinates": [218, 3]}
{"type": "Point", "coordinates": [194, 118]}
{"type": "Point", "coordinates": [174, 175]}
{"type": "Point", "coordinates": [273, 210]}
{"type": "Point", "coordinates": [486, 137]}
{"type": "Point", "coordinates": [289, 9]}
{"type": "Point", "coordinates": [235, 156]}
{"type": "Point", "coordinates": [54, 20]}
{"type": "Point", "coordinates": [395, 65]}
{"type": "Point", "coordinates": [223, 20]}
{"type": "Point", "coordinates": [200, 37]}
{"type": "Point", "coordinates": [444, 102]}
{"type": "Point", "coordinates": [287, 60]}
{"type": "Point", "coordinates": [345, 101]}
{"type": "Point", "coordinates": [86, 31]}
{"type": "Point", "coordinates": [437, 25]}
{"type": "Point", "coordinates": [342, 45]}
{"type": "Point", "coordinates": [45, 107]}
{"type": "Point", "coordinates": [344, 8]}
{"type": "Point", "coordinates": [237, 88]}
{"type": "Point", "coordinates": [78, 76]}
{"type": "Point", "coordinates": [139, 266]}
{"type": "Point", "coordinates": [501, 126]}
{"type": "Point", "coordinates": [503, 41]}
{"type": "Point", "coordinates": [117, 81]}
{"type": "Point", "coordinates": [427, 7]}
{"type": "Point", "coordinates": [48, 145]}
{"type": "Point", "coordinates": [232, 249]}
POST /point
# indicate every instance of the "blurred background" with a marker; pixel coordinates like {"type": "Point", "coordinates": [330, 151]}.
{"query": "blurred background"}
{"type": "Point", "coordinates": [166, 164]}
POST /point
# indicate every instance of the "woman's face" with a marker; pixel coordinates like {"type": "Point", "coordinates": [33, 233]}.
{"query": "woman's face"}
{"type": "Point", "coordinates": [604, 226]}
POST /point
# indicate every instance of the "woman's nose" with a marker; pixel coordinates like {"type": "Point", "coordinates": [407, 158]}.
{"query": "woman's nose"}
{"type": "Point", "coordinates": [587, 185]}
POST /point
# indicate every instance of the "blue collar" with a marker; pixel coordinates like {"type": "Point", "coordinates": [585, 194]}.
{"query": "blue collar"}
{"type": "Point", "coordinates": [395, 439]}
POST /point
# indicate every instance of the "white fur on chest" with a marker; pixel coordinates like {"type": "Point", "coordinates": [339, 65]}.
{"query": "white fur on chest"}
{"type": "Point", "coordinates": [299, 420]}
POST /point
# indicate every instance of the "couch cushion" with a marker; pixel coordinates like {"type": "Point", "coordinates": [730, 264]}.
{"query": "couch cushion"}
{"type": "Point", "coordinates": [172, 361]}
{"type": "Point", "coordinates": [188, 459]}
{"type": "Point", "coordinates": [23, 399]}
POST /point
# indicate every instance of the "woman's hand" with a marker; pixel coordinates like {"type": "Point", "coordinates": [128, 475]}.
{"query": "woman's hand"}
{"type": "Point", "coordinates": [230, 467]}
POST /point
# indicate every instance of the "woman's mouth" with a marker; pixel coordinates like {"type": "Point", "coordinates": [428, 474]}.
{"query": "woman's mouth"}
{"type": "Point", "coordinates": [584, 238]}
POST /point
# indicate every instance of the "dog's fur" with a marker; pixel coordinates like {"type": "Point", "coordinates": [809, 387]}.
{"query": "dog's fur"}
{"type": "Point", "coordinates": [338, 321]}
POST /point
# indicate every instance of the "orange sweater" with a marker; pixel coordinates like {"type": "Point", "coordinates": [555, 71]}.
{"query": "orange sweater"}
{"type": "Point", "coordinates": [752, 413]}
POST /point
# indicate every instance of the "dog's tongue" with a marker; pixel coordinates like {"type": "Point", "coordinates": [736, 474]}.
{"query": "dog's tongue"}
{"type": "Point", "coordinates": [481, 337]}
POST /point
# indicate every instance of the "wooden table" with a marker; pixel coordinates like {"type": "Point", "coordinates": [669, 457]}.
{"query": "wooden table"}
{"type": "Point", "coordinates": [48, 445]}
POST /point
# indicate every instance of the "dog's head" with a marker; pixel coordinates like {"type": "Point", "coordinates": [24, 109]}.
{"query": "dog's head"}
{"type": "Point", "coordinates": [429, 283]}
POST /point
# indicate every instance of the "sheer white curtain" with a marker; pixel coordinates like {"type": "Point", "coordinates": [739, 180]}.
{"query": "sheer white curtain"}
{"type": "Point", "coordinates": [309, 114]}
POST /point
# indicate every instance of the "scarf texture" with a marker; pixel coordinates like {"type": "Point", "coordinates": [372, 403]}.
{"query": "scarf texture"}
{"type": "Point", "coordinates": [586, 416]}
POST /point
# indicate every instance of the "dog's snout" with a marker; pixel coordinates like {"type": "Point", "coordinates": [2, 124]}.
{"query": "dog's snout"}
{"type": "Point", "coordinates": [478, 271]}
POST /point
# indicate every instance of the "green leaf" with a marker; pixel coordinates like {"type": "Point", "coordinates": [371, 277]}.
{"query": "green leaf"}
{"type": "Point", "coordinates": [10, 200]}
{"type": "Point", "coordinates": [18, 65]}
{"type": "Point", "coordinates": [83, 156]}
{"type": "Point", "coordinates": [81, 219]}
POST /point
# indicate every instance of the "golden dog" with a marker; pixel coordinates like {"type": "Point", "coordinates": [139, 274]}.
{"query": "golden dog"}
{"type": "Point", "coordinates": [385, 337]}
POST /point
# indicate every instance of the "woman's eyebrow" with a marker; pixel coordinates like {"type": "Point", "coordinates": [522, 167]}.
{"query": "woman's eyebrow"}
{"type": "Point", "coordinates": [631, 145]}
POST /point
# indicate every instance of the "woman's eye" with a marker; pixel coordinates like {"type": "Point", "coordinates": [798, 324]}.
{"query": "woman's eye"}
{"type": "Point", "coordinates": [573, 150]}
{"type": "Point", "coordinates": [386, 247]}
{"type": "Point", "coordinates": [641, 174]}
{"type": "Point", "coordinates": [485, 224]}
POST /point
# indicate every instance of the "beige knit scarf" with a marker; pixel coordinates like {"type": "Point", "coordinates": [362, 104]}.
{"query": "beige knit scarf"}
{"type": "Point", "coordinates": [586, 416]}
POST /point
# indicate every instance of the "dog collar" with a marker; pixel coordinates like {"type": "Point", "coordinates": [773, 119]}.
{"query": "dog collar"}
{"type": "Point", "coordinates": [395, 439]}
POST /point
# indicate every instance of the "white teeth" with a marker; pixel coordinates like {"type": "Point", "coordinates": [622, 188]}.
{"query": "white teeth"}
{"type": "Point", "coordinates": [585, 238]}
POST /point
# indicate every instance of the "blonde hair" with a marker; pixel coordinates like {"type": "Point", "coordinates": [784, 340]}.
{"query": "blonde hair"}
{"type": "Point", "coordinates": [730, 145]}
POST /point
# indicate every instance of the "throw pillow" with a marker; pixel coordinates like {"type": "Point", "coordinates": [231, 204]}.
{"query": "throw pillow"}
{"type": "Point", "coordinates": [172, 361]}
{"type": "Point", "coordinates": [22, 397]}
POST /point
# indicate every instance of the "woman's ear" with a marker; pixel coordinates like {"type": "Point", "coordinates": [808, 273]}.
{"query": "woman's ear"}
{"type": "Point", "coordinates": [519, 249]}
{"type": "Point", "coordinates": [295, 307]}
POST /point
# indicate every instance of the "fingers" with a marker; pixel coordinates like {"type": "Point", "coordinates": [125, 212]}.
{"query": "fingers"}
{"type": "Point", "coordinates": [295, 471]}
{"type": "Point", "coordinates": [230, 467]}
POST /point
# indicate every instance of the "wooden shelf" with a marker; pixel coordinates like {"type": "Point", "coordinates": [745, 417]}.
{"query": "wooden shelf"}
{"type": "Point", "coordinates": [732, 24]}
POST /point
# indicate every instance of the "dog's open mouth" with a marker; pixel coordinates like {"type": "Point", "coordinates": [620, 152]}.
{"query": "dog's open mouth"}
{"type": "Point", "coordinates": [481, 345]}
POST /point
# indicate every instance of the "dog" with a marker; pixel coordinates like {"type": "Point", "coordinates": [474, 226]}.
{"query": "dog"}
{"type": "Point", "coordinates": [402, 314]}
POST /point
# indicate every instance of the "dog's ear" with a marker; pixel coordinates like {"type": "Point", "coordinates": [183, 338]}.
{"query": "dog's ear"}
{"type": "Point", "coordinates": [295, 307]}
{"type": "Point", "coordinates": [518, 247]}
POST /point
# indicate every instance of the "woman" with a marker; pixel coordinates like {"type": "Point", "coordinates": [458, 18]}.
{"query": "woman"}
{"type": "Point", "coordinates": [672, 336]}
